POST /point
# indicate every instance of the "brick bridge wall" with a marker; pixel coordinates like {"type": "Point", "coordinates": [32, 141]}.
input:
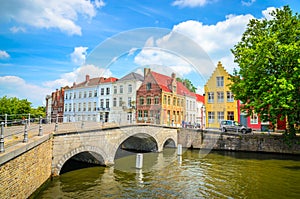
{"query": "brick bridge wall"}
{"type": "Point", "coordinates": [21, 176]}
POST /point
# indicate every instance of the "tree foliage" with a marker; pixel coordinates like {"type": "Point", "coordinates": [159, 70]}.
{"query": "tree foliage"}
{"type": "Point", "coordinates": [18, 108]}
{"type": "Point", "coordinates": [188, 84]}
{"type": "Point", "coordinates": [269, 58]}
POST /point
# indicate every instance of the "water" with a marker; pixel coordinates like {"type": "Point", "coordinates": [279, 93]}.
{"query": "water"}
{"type": "Point", "coordinates": [164, 175]}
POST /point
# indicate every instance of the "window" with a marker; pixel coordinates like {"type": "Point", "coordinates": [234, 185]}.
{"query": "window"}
{"type": "Point", "coordinates": [107, 103]}
{"type": "Point", "coordinates": [174, 101]}
{"type": "Point", "coordinates": [120, 101]}
{"type": "Point", "coordinates": [79, 106]}
{"type": "Point", "coordinates": [148, 100]}
{"type": "Point", "coordinates": [145, 115]}
{"type": "Point", "coordinates": [90, 94]}
{"type": "Point", "coordinates": [89, 106]}
{"type": "Point", "coordinates": [107, 91]}
{"type": "Point", "coordinates": [74, 95]}
{"type": "Point", "coordinates": [84, 95]}
{"type": "Point", "coordinates": [114, 102]}
{"type": "Point", "coordinates": [121, 89]}
{"type": "Point", "coordinates": [74, 107]}
{"type": "Point", "coordinates": [210, 97]}
{"type": "Point", "coordinates": [102, 103]}
{"type": "Point", "coordinates": [230, 115]}
{"type": "Point", "coordinates": [211, 117]}
{"type": "Point", "coordinates": [66, 107]}
{"type": "Point", "coordinates": [220, 81]}
{"type": "Point", "coordinates": [141, 100]}
{"type": "Point", "coordinates": [156, 100]}
{"type": "Point", "coordinates": [115, 89]}
{"type": "Point", "coordinates": [220, 116]}
{"type": "Point", "coordinates": [178, 102]}
{"type": "Point", "coordinates": [148, 86]}
{"type": "Point", "coordinates": [102, 91]}
{"type": "Point", "coordinates": [84, 106]}
{"type": "Point", "coordinates": [129, 102]}
{"type": "Point", "coordinates": [129, 88]}
{"type": "Point", "coordinates": [169, 100]}
{"type": "Point", "coordinates": [79, 94]}
{"type": "Point", "coordinates": [66, 96]}
{"type": "Point", "coordinates": [220, 96]}
{"type": "Point", "coordinates": [140, 114]}
{"type": "Point", "coordinates": [165, 99]}
{"type": "Point", "coordinates": [70, 97]}
{"type": "Point", "coordinates": [187, 104]}
{"type": "Point", "coordinates": [70, 107]}
{"type": "Point", "coordinates": [95, 93]}
{"type": "Point", "coordinates": [254, 119]}
{"type": "Point", "coordinates": [230, 96]}
{"type": "Point", "coordinates": [95, 106]}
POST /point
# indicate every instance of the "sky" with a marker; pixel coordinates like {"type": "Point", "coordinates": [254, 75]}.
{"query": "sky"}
{"type": "Point", "coordinates": [47, 44]}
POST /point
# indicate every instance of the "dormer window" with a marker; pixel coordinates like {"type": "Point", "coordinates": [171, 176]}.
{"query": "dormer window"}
{"type": "Point", "coordinates": [174, 89]}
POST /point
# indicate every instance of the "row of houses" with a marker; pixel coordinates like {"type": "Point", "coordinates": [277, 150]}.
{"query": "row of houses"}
{"type": "Point", "coordinates": [152, 98]}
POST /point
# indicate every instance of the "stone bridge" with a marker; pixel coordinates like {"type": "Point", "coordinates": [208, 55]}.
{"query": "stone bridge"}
{"type": "Point", "coordinates": [101, 145]}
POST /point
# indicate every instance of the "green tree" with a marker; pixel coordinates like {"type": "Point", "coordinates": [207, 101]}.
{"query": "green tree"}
{"type": "Point", "coordinates": [269, 58]}
{"type": "Point", "coordinates": [188, 84]}
{"type": "Point", "coordinates": [38, 112]}
{"type": "Point", "coordinates": [14, 107]}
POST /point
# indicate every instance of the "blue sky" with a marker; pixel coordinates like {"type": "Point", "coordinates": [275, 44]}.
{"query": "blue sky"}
{"type": "Point", "coordinates": [46, 44]}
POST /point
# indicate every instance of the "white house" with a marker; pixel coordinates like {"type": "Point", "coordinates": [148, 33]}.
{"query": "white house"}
{"type": "Point", "coordinates": [89, 100]}
{"type": "Point", "coordinates": [124, 98]}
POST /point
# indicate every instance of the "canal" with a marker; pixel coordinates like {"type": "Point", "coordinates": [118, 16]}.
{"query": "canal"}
{"type": "Point", "coordinates": [165, 175]}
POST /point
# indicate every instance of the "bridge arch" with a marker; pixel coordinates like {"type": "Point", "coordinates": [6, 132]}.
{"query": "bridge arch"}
{"type": "Point", "coordinates": [76, 151]}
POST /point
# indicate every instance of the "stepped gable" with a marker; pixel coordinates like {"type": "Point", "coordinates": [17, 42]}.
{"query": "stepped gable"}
{"type": "Point", "coordinates": [218, 68]}
{"type": "Point", "coordinates": [164, 81]}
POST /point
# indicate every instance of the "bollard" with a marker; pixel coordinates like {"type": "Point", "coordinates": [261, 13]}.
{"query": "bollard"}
{"type": "Point", "coordinates": [179, 149]}
{"type": "Point", "coordinates": [2, 138]}
{"type": "Point", "coordinates": [139, 161]}
{"type": "Point", "coordinates": [82, 124]}
{"type": "Point", "coordinates": [25, 133]}
{"type": "Point", "coordinates": [40, 127]}
{"type": "Point", "coordinates": [5, 120]}
{"type": "Point", "coordinates": [56, 124]}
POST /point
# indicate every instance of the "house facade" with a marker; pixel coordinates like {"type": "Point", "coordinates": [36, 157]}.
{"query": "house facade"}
{"type": "Point", "coordinates": [200, 115]}
{"type": "Point", "coordinates": [162, 100]}
{"type": "Point", "coordinates": [89, 100]}
{"type": "Point", "coordinates": [219, 101]}
{"type": "Point", "coordinates": [57, 104]}
{"type": "Point", "coordinates": [124, 98]}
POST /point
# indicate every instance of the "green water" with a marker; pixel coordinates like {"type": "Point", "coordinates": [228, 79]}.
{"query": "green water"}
{"type": "Point", "coordinates": [164, 175]}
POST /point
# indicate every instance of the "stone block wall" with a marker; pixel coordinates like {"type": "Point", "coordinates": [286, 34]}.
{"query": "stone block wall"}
{"type": "Point", "coordinates": [21, 176]}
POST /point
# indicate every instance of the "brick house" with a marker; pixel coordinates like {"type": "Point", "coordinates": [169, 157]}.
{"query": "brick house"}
{"type": "Point", "coordinates": [161, 99]}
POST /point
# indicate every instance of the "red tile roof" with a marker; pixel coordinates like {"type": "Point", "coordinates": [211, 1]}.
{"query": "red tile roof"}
{"type": "Point", "coordinates": [95, 81]}
{"type": "Point", "coordinates": [164, 81]}
{"type": "Point", "coordinates": [200, 98]}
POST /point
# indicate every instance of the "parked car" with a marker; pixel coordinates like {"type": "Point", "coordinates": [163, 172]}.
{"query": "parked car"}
{"type": "Point", "coordinates": [230, 125]}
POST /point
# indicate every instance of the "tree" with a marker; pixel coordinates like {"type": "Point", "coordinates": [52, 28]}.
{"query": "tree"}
{"type": "Point", "coordinates": [269, 58]}
{"type": "Point", "coordinates": [188, 84]}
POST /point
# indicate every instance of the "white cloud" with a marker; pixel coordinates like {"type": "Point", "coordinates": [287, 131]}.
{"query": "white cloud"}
{"type": "Point", "coordinates": [190, 3]}
{"type": "Point", "coordinates": [267, 13]}
{"type": "Point", "coordinates": [4, 54]}
{"type": "Point", "coordinates": [79, 54]}
{"type": "Point", "coordinates": [13, 86]}
{"type": "Point", "coordinates": [78, 75]}
{"type": "Point", "coordinates": [16, 29]}
{"type": "Point", "coordinates": [248, 3]}
{"type": "Point", "coordinates": [47, 14]}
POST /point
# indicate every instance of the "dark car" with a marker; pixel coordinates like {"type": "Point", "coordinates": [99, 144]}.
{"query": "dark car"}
{"type": "Point", "coordinates": [230, 125]}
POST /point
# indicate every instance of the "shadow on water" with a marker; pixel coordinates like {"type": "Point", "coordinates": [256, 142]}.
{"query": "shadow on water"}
{"type": "Point", "coordinates": [72, 165]}
{"type": "Point", "coordinates": [257, 156]}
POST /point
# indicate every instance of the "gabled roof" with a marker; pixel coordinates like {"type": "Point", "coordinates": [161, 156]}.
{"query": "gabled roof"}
{"type": "Point", "coordinates": [164, 81]}
{"type": "Point", "coordinates": [132, 76]}
{"type": "Point", "coordinates": [94, 82]}
{"type": "Point", "coordinates": [218, 70]}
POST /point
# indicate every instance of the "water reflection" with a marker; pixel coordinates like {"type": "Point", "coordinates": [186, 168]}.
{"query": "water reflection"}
{"type": "Point", "coordinates": [166, 175]}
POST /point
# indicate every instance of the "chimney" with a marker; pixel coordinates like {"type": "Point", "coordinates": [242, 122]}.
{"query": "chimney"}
{"type": "Point", "coordinates": [173, 75]}
{"type": "Point", "coordinates": [74, 84]}
{"type": "Point", "coordinates": [146, 71]}
{"type": "Point", "coordinates": [87, 78]}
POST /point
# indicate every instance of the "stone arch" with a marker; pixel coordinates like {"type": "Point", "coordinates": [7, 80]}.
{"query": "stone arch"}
{"type": "Point", "coordinates": [161, 146]}
{"type": "Point", "coordinates": [70, 154]}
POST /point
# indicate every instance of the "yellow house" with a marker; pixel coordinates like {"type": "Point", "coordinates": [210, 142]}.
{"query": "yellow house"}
{"type": "Point", "coordinates": [219, 101]}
